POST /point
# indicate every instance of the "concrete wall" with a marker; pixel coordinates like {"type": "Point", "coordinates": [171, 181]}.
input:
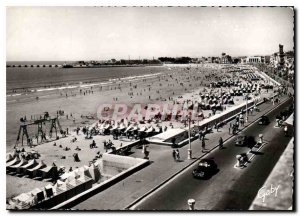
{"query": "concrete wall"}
{"type": "Point", "coordinates": [114, 164]}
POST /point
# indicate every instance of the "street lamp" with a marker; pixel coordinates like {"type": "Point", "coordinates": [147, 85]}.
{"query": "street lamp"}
{"type": "Point", "coordinates": [190, 144]}
{"type": "Point", "coordinates": [246, 120]}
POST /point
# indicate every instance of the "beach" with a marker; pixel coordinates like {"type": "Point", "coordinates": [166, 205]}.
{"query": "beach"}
{"type": "Point", "coordinates": [87, 103]}
{"type": "Point", "coordinates": [174, 84]}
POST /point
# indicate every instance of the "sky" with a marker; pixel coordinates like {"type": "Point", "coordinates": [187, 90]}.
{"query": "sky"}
{"type": "Point", "coordinates": [101, 33]}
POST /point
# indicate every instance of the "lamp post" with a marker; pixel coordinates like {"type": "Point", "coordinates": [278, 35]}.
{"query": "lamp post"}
{"type": "Point", "coordinates": [190, 144]}
{"type": "Point", "coordinates": [246, 120]}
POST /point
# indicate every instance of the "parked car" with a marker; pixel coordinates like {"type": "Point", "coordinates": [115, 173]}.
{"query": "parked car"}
{"type": "Point", "coordinates": [206, 168]}
{"type": "Point", "coordinates": [264, 120]}
{"type": "Point", "coordinates": [243, 140]}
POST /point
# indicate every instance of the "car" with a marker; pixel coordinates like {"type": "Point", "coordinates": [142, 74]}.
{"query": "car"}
{"type": "Point", "coordinates": [243, 140]}
{"type": "Point", "coordinates": [264, 120]}
{"type": "Point", "coordinates": [206, 168]}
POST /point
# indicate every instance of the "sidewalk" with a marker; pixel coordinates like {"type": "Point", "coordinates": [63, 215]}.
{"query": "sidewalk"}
{"type": "Point", "coordinates": [162, 168]}
{"type": "Point", "coordinates": [281, 177]}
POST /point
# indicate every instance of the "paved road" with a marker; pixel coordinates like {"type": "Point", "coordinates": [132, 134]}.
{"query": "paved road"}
{"type": "Point", "coordinates": [230, 188]}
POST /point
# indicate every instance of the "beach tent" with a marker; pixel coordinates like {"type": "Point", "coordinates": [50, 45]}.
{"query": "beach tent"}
{"type": "Point", "coordinates": [94, 172]}
{"type": "Point", "coordinates": [150, 129]}
{"type": "Point", "coordinates": [81, 171]}
{"type": "Point", "coordinates": [101, 127]}
{"type": "Point", "coordinates": [48, 172]}
{"type": "Point", "coordinates": [21, 163]}
{"type": "Point", "coordinates": [38, 195]}
{"type": "Point", "coordinates": [122, 127]}
{"type": "Point", "coordinates": [9, 157]}
{"type": "Point", "coordinates": [79, 186]}
{"type": "Point", "coordinates": [33, 171]}
{"type": "Point", "coordinates": [49, 191]}
{"type": "Point", "coordinates": [15, 161]}
{"type": "Point", "coordinates": [29, 165]}
{"type": "Point", "coordinates": [70, 190]}
{"type": "Point", "coordinates": [64, 176]}
{"type": "Point", "coordinates": [71, 176]}
{"type": "Point", "coordinates": [60, 194]}
{"type": "Point", "coordinates": [86, 181]}
{"type": "Point", "coordinates": [23, 201]}
{"type": "Point", "coordinates": [107, 126]}
{"type": "Point", "coordinates": [129, 128]}
{"type": "Point", "coordinates": [143, 128]}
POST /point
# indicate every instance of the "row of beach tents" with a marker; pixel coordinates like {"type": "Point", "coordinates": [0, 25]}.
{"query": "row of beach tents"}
{"type": "Point", "coordinates": [67, 186]}
{"type": "Point", "coordinates": [16, 165]}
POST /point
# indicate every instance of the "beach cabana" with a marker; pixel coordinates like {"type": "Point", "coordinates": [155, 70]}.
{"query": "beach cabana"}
{"type": "Point", "coordinates": [150, 129]}
{"type": "Point", "coordinates": [143, 129]}
{"type": "Point", "coordinates": [31, 164]}
{"type": "Point", "coordinates": [33, 171]}
{"type": "Point", "coordinates": [94, 172]}
{"type": "Point", "coordinates": [49, 191]}
{"type": "Point", "coordinates": [61, 192]}
{"type": "Point", "coordinates": [70, 190]}
{"type": "Point", "coordinates": [86, 181]}
{"type": "Point", "coordinates": [48, 172]}
{"type": "Point", "coordinates": [15, 161]}
{"type": "Point", "coordinates": [38, 195]}
{"type": "Point", "coordinates": [23, 201]}
{"type": "Point", "coordinates": [15, 167]}
{"type": "Point", "coordinates": [64, 176]}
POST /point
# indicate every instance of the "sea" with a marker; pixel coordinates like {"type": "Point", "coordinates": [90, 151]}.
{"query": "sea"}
{"type": "Point", "coordinates": [49, 77]}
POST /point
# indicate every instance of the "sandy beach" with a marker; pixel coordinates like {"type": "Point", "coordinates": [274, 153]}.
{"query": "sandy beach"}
{"type": "Point", "coordinates": [176, 85]}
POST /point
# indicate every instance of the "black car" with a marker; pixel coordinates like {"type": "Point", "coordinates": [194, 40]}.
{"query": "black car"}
{"type": "Point", "coordinates": [264, 120]}
{"type": "Point", "coordinates": [243, 140]}
{"type": "Point", "coordinates": [206, 168]}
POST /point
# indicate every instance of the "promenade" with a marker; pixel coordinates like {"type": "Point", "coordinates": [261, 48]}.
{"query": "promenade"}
{"type": "Point", "coordinates": [162, 168]}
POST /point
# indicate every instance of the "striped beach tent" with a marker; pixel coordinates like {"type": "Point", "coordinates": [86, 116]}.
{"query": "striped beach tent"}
{"type": "Point", "coordinates": [15, 161]}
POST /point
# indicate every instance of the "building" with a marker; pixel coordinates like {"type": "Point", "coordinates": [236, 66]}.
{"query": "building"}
{"type": "Point", "coordinates": [226, 59]}
{"type": "Point", "coordinates": [281, 55]}
{"type": "Point", "coordinates": [254, 59]}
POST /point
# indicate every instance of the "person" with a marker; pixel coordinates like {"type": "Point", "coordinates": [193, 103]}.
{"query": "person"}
{"type": "Point", "coordinates": [76, 157]}
{"type": "Point", "coordinates": [200, 135]}
{"type": "Point", "coordinates": [220, 143]}
{"type": "Point", "coordinates": [174, 155]}
{"type": "Point", "coordinates": [286, 131]}
{"type": "Point", "coordinates": [203, 144]}
{"type": "Point", "coordinates": [93, 145]}
{"type": "Point", "coordinates": [177, 155]}
{"type": "Point", "coordinates": [229, 129]}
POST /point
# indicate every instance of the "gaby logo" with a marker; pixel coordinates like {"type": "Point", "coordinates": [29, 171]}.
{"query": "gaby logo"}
{"type": "Point", "coordinates": [138, 112]}
{"type": "Point", "coordinates": [264, 192]}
